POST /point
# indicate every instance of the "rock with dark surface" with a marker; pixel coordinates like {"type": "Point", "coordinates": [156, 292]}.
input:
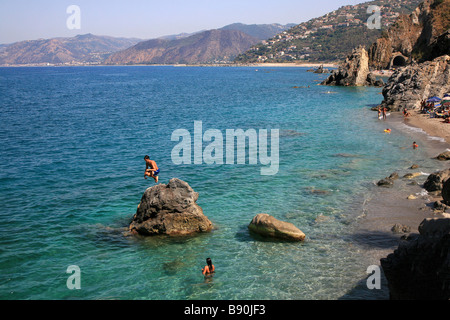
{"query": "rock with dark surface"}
{"type": "Point", "coordinates": [444, 156]}
{"type": "Point", "coordinates": [353, 72]}
{"type": "Point", "coordinates": [419, 269]}
{"type": "Point", "coordinates": [267, 226]}
{"type": "Point", "coordinates": [409, 86]}
{"type": "Point", "coordinates": [435, 181]}
{"type": "Point", "coordinates": [171, 210]}
{"type": "Point", "coordinates": [446, 191]}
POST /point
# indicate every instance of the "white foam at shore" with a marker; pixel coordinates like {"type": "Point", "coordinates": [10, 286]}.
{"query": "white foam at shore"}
{"type": "Point", "coordinates": [419, 130]}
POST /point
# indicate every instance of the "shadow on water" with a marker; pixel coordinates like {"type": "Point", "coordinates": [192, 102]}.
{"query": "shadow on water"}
{"type": "Point", "coordinates": [375, 239]}
{"type": "Point", "coordinates": [362, 292]}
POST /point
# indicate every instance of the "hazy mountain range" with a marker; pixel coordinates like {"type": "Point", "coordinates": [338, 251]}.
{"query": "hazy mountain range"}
{"type": "Point", "coordinates": [223, 44]}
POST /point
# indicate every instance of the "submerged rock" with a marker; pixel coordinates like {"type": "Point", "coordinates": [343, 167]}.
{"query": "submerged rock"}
{"type": "Point", "coordinates": [171, 210]}
{"type": "Point", "coordinates": [419, 269]}
{"type": "Point", "coordinates": [267, 226]}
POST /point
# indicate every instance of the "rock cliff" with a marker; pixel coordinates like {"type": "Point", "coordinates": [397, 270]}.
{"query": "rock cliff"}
{"type": "Point", "coordinates": [353, 72]}
{"type": "Point", "coordinates": [171, 210]}
{"type": "Point", "coordinates": [408, 86]}
{"type": "Point", "coordinates": [420, 36]}
{"type": "Point", "coordinates": [419, 268]}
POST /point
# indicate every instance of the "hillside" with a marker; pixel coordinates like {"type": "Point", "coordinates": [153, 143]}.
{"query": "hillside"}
{"type": "Point", "coordinates": [212, 46]}
{"type": "Point", "coordinates": [330, 37]}
{"type": "Point", "coordinates": [81, 49]}
{"type": "Point", "coordinates": [259, 31]}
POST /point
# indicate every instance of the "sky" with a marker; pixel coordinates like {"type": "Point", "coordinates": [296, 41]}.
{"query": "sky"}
{"type": "Point", "coordinates": [145, 19]}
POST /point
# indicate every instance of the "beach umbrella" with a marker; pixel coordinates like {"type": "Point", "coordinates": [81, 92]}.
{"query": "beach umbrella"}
{"type": "Point", "coordinates": [434, 99]}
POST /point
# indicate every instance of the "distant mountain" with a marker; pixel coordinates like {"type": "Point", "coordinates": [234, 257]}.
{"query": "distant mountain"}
{"type": "Point", "coordinates": [330, 37]}
{"type": "Point", "coordinates": [86, 48]}
{"type": "Point", "coordinates": [259, 31]}
{"type": "Point", "coordinates": [212, 46]}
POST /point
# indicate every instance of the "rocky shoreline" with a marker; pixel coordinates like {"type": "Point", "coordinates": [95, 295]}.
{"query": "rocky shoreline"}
{"type": "Point", "coordinates": [403, 214]}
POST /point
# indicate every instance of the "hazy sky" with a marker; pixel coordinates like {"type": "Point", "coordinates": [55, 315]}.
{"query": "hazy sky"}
{"type": "Point", "coordinates": [33, 19]}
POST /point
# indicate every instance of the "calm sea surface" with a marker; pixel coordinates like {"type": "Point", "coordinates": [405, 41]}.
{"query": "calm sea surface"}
{"type": "Point", "coordinates": [71, 177]}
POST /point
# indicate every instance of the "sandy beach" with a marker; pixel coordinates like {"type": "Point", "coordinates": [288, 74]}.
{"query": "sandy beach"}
{"type": "Point", "coordinates": [435, 127]}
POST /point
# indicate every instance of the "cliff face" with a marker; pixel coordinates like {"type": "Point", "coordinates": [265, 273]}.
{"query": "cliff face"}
{"type": "Point", "coordinates": [408, 86]}
{"type": "Point", "coordinates": [204, 47]}
{"type": "Point", "coordinates": [417, 36]}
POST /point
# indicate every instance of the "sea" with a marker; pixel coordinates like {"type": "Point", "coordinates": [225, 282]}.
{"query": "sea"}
{"type": "Point", "coordinates": [73, 141]}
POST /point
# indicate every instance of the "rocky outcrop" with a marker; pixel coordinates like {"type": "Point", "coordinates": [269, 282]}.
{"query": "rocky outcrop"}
{"type": "Point", "coordinates": [420, 36]}
{"type": "Point", "coordinates": [171, 210]}
{"type": "Point", "coordinates": [435, 181]}
{"type": "Point", "coordinates": [353, 72]}
{"type": "Point", "coordinates": [267, 226]}
{"type": "Point", "coordinates": [419, 269]}
{"type": "Point", "coordinates": [408, 86]}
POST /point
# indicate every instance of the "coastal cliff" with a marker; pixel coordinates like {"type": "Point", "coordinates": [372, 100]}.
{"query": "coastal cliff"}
{"type": "Point", "coordinates": [407, 87]}
{"type": "Point", "coordinates": [419, 37]}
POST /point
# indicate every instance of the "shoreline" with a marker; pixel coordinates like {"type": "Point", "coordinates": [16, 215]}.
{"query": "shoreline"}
{"type": "Point", "coordinates": [389, 206]}
{"type": "Point", "coordinates": [259, 65]}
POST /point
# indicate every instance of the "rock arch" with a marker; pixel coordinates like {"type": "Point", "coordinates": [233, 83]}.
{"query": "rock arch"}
{"type": "Point", "coordinates": [398, 60]}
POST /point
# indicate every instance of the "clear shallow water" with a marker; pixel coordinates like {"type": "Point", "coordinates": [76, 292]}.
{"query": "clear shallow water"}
{"type": "Point", "coordinates": [71, 177]}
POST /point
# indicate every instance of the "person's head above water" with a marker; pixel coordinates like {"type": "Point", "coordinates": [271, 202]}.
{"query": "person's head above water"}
{"type": "Point", "coordinates": [146, 157]}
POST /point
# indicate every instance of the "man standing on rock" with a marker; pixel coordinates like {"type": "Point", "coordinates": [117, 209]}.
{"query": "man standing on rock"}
{"type": "Point", "coordinates": [151, 169]}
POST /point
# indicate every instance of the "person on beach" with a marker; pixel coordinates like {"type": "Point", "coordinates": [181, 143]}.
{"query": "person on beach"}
{"type": "Point", "coordinates": [151, 169]}
{"type": "Point", "coordinates": [415, 145]}
{"type": "Point", "coordinates": [384, 113]}
{"type": "Point", "coordinates": [405, 112]}
{"type": "Point", "coordinates": [379, 113]}
{"type": "Point", "coordinates": [209, 268]}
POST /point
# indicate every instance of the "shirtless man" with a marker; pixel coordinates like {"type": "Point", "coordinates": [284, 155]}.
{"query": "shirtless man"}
{"type": "Point", "coordinates": [151, 169]}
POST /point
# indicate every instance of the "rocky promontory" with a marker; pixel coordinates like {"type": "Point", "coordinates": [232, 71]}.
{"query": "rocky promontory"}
{"type": "Point", "coordinates": [354, 71]}
{"type": "Point", "coordinates": [409, 86]}
{"type": "Point", "coordinates": [169, 210]}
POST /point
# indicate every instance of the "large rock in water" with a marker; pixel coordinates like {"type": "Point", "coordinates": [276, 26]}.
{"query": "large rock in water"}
{"type": "Point", "coordinates": [354, 71]}
{"type": "Point", "coordinates": [267, 226]}
{"type": "Point", "coordinates": [169, 209]}
{"type": "Point", "coordinates": [420, 267]}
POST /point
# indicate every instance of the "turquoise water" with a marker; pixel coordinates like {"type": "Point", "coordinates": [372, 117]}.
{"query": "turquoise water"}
{"type": "Point", "coordinates": [71, 177]}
